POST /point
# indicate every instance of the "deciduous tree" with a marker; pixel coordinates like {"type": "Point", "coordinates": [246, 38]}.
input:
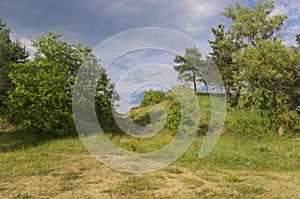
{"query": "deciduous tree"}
{"type": "Point", "coordinates": [10, 52]}
{"type": "Point", "coordinates": [42, 97]}
{"type": "Point", "coordinates": [272, 87]}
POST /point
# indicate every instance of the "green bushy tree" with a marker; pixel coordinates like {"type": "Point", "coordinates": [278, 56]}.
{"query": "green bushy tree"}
{"type": "Point", "coordinates": [10, 52]}
{"type": "Point", "coordinates": [252, 26]}
{"type": "Point", "coordinates": [247, 28]}
{"type": "Point", "coordinates": [42, 97]}
{"type": "Point", "coordinates": [173, 113]}
{"type": "Point", "coordinates": [272, 87]}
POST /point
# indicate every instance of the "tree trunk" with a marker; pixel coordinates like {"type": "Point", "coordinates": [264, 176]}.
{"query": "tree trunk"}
{"type": "Point", "coordinates": [204, 82]}
{"type": "Point", "coordinates": [227, 90]}
{"type": "Point", "coordinates": [207, 91]}
{"type": "Point", "coordinates": [194, 82]}
{"type": "Point", "coordinates": [195, 88]}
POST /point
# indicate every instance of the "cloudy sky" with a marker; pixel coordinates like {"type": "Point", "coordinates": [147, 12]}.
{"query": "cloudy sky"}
{"type": "Point", "coordinates": [92, 21]}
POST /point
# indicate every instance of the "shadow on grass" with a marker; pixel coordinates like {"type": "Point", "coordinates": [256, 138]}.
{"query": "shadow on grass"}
{"type": "Point", "coordinates": [22, 138]}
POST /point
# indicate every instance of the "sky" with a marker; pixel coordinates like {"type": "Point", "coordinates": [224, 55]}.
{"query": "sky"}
{"type": "Point", "coordinates": [92, 21]}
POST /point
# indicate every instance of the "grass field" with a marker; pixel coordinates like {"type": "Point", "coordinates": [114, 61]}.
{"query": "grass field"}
{"type": "Point", "coordinates": [245, 163]}
{"type": "Point", "coordinates": [236, 168]}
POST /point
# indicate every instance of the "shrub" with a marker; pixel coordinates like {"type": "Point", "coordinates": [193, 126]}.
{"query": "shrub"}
{"type": "Point", "coordinates": [152, 97]}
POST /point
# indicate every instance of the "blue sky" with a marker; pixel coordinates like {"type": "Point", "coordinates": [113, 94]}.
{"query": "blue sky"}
{"type": "Point", "coordinates": [92, 21]}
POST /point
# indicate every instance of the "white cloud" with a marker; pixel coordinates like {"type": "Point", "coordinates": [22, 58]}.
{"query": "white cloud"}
{"type": "Point", "coordinates": [26, 42]}
{"type": "Point", "coordinates": [294, 3]}
{"type": "Point", "coordinates": [293, 8]}
{"type": "Point", "coordinates": [294, 17]}
{"type": "Point", "coordinates": [291, 36]}
{"type": "Point", "coordinates": [280, 9]}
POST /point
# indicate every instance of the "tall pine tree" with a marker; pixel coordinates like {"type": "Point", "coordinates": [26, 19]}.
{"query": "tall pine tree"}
{"type": "Point", "coordinates": [189, 66]}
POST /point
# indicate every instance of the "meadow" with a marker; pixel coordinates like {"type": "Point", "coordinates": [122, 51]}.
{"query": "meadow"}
{"type": "Point", "coordinates": [247, 164]}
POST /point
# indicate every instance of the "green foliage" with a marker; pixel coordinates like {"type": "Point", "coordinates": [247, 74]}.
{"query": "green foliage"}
{"type": "Point", "coordinates": [223, 48]}
{"type": "Point", "coordinates": [10, 52]}
{"type": "Point", "coordinates": [104, 101]}
{"type": "Point", "coordinates": [247, 29]}
{"type": "Point", "coordinates": [173, 110]}
{"type": "Point", "coordinates": [262, 73]}
{"type": "Point", "coordinates": [140, 116]}
{"type": "Point", "coordinates": [42, 97]}
{"type": "Point", "coordinates": [171, 117]}
{"type": "Point", "coordinates": [169, 102]}
{"type": "Point", "coordinates": [152, 97]}
{"type": "Point", "coordinates": [173, 113]}
{"type": "Point", "coordinates": [189, 66]}
{"type": "Point", "coordinates": [252, 26]}
{"type": "Point", "coordinates": [272, 84]}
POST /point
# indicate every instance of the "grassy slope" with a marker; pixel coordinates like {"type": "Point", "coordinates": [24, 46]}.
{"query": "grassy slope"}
{"type": "Point", "coordinates": [244, 166]}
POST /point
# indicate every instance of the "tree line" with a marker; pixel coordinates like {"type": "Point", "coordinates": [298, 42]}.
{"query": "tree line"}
{"type": "Point", "coordinates": [259, 72]}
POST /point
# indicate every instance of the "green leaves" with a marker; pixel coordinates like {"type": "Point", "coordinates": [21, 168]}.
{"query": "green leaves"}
{"type": "Point", "coordinates": [42, 97]}
{"type": "Point", "coordinates": [269, 73]}
{"type": "Point", "coordinates": [223, 48]}
{"type": "Point", "coordinates": [10, 52]}
{"type": "Point", "coordinates": [251, 26]}
{"type": "Point", "coordinates": [189, 66]}
{"type": "Point", "coordinates": [262, 73]}
{"type": "Point", "coordinates": [152, 97]}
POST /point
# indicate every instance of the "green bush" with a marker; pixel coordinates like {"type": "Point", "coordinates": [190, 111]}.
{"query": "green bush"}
{"type": "Point", "coordinates": [173, 114]}
{"type": "Point", "coordinates": [152, 97]}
